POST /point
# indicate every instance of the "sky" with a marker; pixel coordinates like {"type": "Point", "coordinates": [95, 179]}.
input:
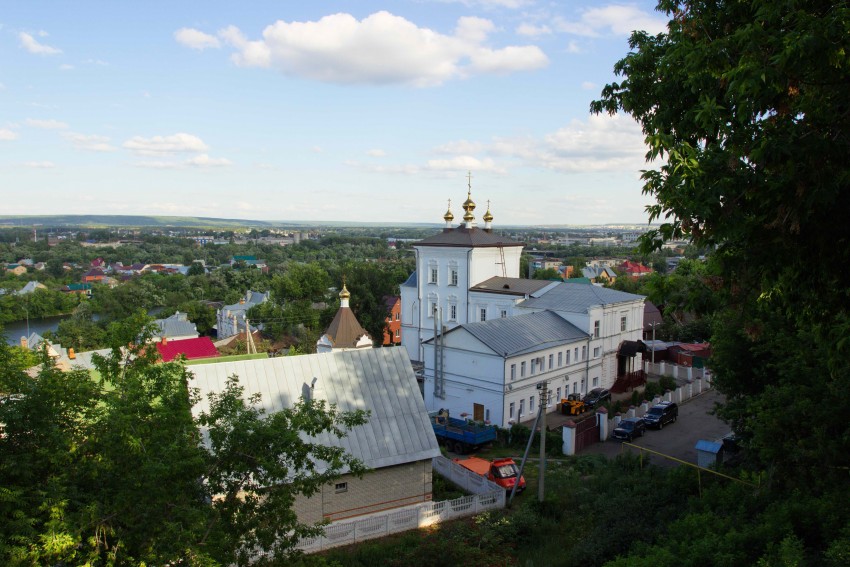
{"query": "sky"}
{"type": "Point", "coordinates": [327, 111]}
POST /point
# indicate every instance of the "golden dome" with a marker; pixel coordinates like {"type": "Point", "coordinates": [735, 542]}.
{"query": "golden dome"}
{"type": "Point", "coordinates": [469, 204]}
{"type": "Point", "coordinates": [488, 216]}
{"type": "Point", "coordinates": [468, 217]}
{"type": "Point", "coordinates": [344, 294]}
{"type": "Point", "coordinates": [449, 217]}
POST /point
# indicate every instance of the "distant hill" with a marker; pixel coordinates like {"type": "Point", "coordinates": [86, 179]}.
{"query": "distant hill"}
{"type": "Point", "coordinates": [141, 221]}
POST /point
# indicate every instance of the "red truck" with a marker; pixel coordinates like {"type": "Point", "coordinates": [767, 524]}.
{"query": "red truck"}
{"type": "Point", "coordinates": [503, 472]}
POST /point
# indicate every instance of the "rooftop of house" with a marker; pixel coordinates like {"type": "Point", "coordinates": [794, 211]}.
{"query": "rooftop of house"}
{"type": "Point", "coordinates": [577, 298]}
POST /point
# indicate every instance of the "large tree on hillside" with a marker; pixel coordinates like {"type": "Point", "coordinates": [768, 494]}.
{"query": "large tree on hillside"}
{"type": "Point", "coordinates": [746, 107]}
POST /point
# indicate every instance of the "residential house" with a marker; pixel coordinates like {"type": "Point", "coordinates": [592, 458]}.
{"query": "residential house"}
{"type": "Point", "coordinates": [392, 327]}
{"type": "Point", "coordinates": [16, 269]}
{"type": "Point", "coordinates": [94, 275]}
{"type": "Point", "coordinates": [30, 287]}
{"type": "Point", "coordinates": [397, 443]}
{"type": "Point", "coordinates": [634, 270]}
{"type": "Point", "coordinates": [599, 274]}
{"type": "Point", "coordinates": [232, 319]}
{"type": "Point", "coordinates": [176, 327]}
{"type": "Point", "coordinates": [78, 288]}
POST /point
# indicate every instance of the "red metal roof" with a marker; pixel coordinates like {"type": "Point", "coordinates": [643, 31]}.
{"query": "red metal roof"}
{"type": "Point", "coordinates": [201, 347]}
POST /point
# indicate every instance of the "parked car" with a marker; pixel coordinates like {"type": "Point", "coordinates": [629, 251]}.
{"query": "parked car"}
{"type": "Point", "coordinates": [630, 428]}
{"type": "Point", "coordinates": [596, 396]}
{"type": "Point", "coordinates": [661, 414]}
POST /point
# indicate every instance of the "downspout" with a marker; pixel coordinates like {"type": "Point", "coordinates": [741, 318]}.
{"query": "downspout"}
{"type": "Point", "coordinates": [587, 366]}
{"type": "Point", "coordinates": [468, 282]}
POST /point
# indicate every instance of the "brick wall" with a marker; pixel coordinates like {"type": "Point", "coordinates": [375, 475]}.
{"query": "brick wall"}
{"type": "Point", "coordinates": [380, 489]}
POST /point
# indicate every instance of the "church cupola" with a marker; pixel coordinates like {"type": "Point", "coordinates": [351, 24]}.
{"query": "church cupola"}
{"type": "Point", "coordinates": [344, 296]}
{"type": "Point", "coordinates": [469, 204]}
{"type": "Point", "coordinates": [449, 217]}
{"type": "Point", "coordinates": [488, 218]}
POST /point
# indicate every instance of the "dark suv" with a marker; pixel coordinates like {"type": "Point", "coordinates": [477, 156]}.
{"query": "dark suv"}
{"type": "Point", "coordinates": [596, 396]}
{"type": "Point", "coordinates": [661, 414]}
{"type": "Point", "coordinates": [630, 428]}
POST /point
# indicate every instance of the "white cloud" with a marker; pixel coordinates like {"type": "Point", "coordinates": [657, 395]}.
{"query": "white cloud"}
{"type": "Point", "coordinates": [46, 124]}
{"type": "Point", "coordinates": [92, 143]}
{"type": "Point", "coordinates": [533, 31]}
{"type": "Point", "coordinates": [204, 160]}
{"type": "Point", "coordinates": [488, 4]}
{"type": "Point", "coordinates": [39, 164]}
{"type": "Point", "coordinates": [460, 147]}
{"type": "Point", "coordinates": [29, 43]}
{"type": "Point", "coordinates": [165, 145]}
{"type": "Point", "coordinates": [157, 164]}
{"type": "Point", "coordinates": [316, 149]}
{"type": "Point", "coordinates": [97, 62]}
{"type": "Point", "coordinates": [66, 67]}
{"type": "Point", "coordinates": [380, 49]}
{"type": "Point", "coordinates": [377, 153]}
{"type": "Point", "coordinates": [6, 134]}
{"type": "Point", "coordinates": [196, 39]}
{"type": "Point", "coordinates": [617, 19]}
{"type": "Point", "coordinates": [573, 47]}
{"type": "Point", "coordinates": [464, 163]}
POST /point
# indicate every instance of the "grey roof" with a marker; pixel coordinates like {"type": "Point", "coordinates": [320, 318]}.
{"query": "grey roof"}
{"type": "Point", "coordinates": [30, 287]}
{"type": "Point", "coordinates": [380, 380]}
{"type": "Point", "coordinates": [577, 298]}
{"type": "Point", "coordinates": [524, 333]}
{"type": "Point", "coordinates": [512, 286]}
{"type": "Point", "coordinates": [467, 238]}
{"type": "Point", "coordinates": [178, 325]}
{"type": "Point", "coordinates": [594, 272]}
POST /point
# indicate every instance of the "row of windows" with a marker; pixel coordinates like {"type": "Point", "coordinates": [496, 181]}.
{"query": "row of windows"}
{"type": "Point", "coordinates": [623, 325]}
{"type": "Point", "coordinates": [557, 398]}
{"type": "Point", "coordinates": [538, 364]}
{"type": "Point", "coordinates": [434, 275]}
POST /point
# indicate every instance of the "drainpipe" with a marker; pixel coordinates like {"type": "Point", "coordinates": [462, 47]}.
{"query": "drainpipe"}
{"type": "Point", "coordinates": [587, 366]}
{"type": "Point", "coordinates": [468, 281]}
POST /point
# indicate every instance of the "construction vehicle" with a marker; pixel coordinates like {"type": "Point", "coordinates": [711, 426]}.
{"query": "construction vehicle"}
{"type": "Point", "coordinates": [572, 405]}
{"type": "Point", "coordinates": [459, 435]}
{"type": "Point", "coordinates": [503, 472]}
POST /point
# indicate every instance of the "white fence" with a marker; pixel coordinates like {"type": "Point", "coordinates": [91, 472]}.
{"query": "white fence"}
{"type": "Point", "coordinates": [676, 371]}
{"type": "Point", "coordinates": [486, 495]}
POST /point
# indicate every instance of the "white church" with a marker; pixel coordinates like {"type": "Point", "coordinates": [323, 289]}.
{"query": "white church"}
{"type": "Point", "coordinates": [498, 336]}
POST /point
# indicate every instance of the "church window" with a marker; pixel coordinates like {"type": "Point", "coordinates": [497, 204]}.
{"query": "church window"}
{"type": "Point", "coordinates": [483, 313]}
{"type": "Point", "coordinates": [453, 278]}
{"type": "Point", "coordinates": [453, 312]}
{"type": "Point", "coordinates": [434, 275]}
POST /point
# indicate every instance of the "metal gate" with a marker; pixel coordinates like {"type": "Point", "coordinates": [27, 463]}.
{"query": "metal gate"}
{"type": "Point", "coordinates": [587, 432]}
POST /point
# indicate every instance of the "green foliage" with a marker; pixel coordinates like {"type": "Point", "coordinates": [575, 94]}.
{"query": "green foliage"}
{"type": "Point", "coordinates": [113, 472]}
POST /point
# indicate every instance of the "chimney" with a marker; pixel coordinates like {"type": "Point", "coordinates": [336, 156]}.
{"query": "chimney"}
{"type": "Point", "coordinates": [71, 354]}
{"type": "Point", "coordinates": [164, 340]}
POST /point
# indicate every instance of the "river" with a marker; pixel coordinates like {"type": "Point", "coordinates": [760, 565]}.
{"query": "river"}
{"type": "Point", "coordinates": [14, 331]}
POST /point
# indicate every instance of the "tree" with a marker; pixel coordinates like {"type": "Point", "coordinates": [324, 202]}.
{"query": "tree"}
{"type": "Point", "coordinates": [746, 103]}
{"type": "Point", "coordinates": [547, 274]}
{"type": "Point", "coordinates": [112, 471]}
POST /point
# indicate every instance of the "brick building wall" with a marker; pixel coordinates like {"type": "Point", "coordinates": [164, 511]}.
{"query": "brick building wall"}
{"type": "Point", "coordinates": [380, 489]}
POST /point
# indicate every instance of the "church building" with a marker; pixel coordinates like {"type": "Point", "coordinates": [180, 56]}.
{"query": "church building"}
{"type": "Point", "coordinates": [344, 332]}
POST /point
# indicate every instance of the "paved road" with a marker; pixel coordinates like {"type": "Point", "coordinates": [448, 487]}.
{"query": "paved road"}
{"type": "Point", "coordinates": [676, 439]}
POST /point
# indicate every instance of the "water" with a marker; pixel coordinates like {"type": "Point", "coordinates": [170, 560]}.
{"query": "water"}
{"type": "Point", "coordinates": [14, 331]}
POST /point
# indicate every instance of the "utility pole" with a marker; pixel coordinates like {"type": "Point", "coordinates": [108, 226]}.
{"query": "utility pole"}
{"type": "Point", "coordinates": [544, 398]}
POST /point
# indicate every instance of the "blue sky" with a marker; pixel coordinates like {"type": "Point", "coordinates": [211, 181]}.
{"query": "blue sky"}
{"type": "Point", "coordinates": [330, 111]}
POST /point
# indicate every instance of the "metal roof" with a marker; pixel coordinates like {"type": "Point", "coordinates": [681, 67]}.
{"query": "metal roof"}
{"type": "Point", "coordinates": [467, 238]}
{"type": "Point", "coordinates": [512, 286]}
{"type": "Point", "coordinates": [410, 281]}
{"type": "Point", "coordinates": [178, 325]}
{"type": "Point", "coordinates": [577, 298]}
{"type": "Point", "coordinates": [526, 333]}
{"type": "Point", "coordinates": [380, 380]}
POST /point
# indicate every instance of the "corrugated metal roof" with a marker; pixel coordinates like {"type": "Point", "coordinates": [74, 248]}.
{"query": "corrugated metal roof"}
{"type": "Point", "coordinates": [577, 298]}
{"type": "Point", "coordinates": [199, 347]}
{"type": "Point", "coordinates": [524, 333]}
{"type": "Point", "coordinates": [467, 237]}
{"type": "Point", "coordinates": [380, 380]}
{"type": "Point", "coordinates": [178, 325]}
{"type": "Point", "coordinates": [411, 281]}
{"type": "Point", "coordinates": [512, 286]}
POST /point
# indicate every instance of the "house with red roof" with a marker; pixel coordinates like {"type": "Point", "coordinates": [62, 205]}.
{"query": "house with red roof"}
{"type": "Point", "coordinates": [192, 349]}
{"type": "Point", "coordinates": [634, 269]}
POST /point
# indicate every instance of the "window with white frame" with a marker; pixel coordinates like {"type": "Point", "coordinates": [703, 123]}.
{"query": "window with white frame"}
{"type": "Point", "coordinates": [513, 372]}
{"type": "Point", "coordinates": [521, 408]}
{"type": "Point", "coordinates": [483, 314]}
{"type": "Point", "coordinates": [432, 304]}
{"type": "Point", "coordinates": [622, 323]}
{"type": "Point", "coordinates": [531, 404]}
{"type": "Point", "coordinates": [433, 273]}
{"type": "Point", "coordinates": [533, 366]}
{"type": "Point", "coordinates": [560, 359]}
{"type": "Point", "coordinates": [503, 313]}
{"type": "Point", "coordinates": [559, 393]}
{"type": "Point", "coordinates": [511, 410]}
{"type": "Point", "coordinates": [596, 329]}
{"type": "Point", "coordinates": [584, 352]}
{"type": "Point", "coordinates": [596, 352]}
{"type": "Point", "coordinates": [522, 369]}
{"type": "Point", "coordinates": [575, 387]}
{"type": "Point", "coordinates": [551, 361]}
{"type": "Point", "coordinates": [575, 355]}
{"type": "Point", "coordinates": [595, 381]}
{"type": "Point", "coordinates": [341, 487]}
{"type": "Point", "coordinates": [453, 277]}
{"type": "Point", "coordinates": [568, 357]}
{"type": "Point", "coordinates": [397, 333]}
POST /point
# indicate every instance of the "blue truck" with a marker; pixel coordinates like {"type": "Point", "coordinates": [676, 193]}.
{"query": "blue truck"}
{"type": "Point", "coordinates": [460, 435]}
